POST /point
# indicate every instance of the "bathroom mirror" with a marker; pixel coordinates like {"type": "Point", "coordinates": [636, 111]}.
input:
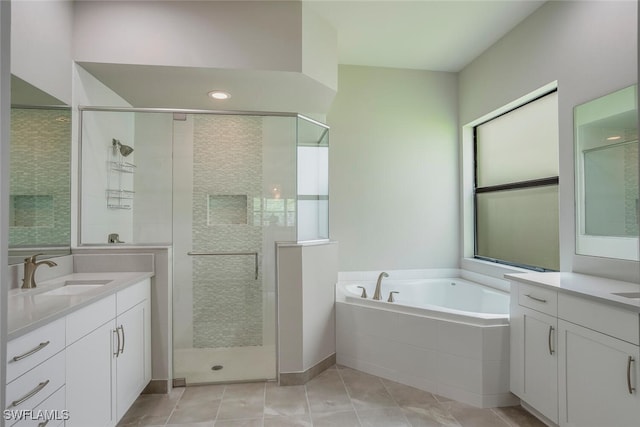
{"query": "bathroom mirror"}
{"type": "Point", "coordinates": [40, 171]}
{"type": "Point", "coordinates": [606, 149]}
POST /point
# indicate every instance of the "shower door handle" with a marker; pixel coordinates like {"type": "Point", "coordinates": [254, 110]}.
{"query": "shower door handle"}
{"type": "Point", "coordinates": [254, 254]}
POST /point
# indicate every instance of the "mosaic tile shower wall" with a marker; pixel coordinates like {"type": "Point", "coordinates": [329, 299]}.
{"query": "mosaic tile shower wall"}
{"type": "Point", "coordinates": [631, 189]}
{"type": "Point", "coordinates": [40, 177]}
{"type": "Point", "coordinates": [227, 165]}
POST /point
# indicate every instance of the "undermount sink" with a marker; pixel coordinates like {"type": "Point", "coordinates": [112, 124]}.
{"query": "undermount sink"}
{"type": "Point", "coordinates": [74, 287]}
{"type": "Point", "coordinates": [627, 294]}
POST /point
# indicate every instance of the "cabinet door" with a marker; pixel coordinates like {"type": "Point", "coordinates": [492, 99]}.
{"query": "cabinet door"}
{"type": "Point", "coordinates": [595, 378]}
{"type": "Point", "coordinates": [540, 373]}
{"type": "Point", "coordinates": [90, 370]}
{"type": "Point", "coordinates": [131, 358]}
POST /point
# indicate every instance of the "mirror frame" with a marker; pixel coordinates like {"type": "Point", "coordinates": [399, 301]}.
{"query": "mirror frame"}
{"type": "Point", "coordinates": [595, 110]}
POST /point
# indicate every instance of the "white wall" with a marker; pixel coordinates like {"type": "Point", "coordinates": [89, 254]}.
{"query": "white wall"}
{"type": "Point", "coordinates": [307, 274]}
{"type": "Point", "coordinates": [262, 35]}
{"type": "Point", "coordinates": [590, 49]}
{"type": "Point", "coordinates": [319, 48]}
{"type": "Point", "coordinates": [41, 33]}
{"type": "Point", "coordinates": [97, 220]}
{"type": "Point", "coordinates": [393, 169]}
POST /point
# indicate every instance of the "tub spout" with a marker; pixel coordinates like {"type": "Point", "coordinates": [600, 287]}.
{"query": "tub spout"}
{"type": "Point", "coordinates": [377, 294]}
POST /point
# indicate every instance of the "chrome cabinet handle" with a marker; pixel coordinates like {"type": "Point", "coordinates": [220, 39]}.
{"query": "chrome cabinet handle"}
{"type": "Point", "coordinates": [629, 387]}
{"type": "Point", "coordinates": [536, 299]}
{"type": "Point", "coordinates": [122, 329]}
{"type": "Point", "coordinates": [551, 350]}
{"type": "Point", "coordinates": [30, 352]}
{"type": "Point", "coordinates": [391, 299]}
{"type": "Point", "coordinates": [29, 395]}
{"type": "Point", "coordinates": [117, 352]}
{"type": "Point", "coordinates": [364, 292]}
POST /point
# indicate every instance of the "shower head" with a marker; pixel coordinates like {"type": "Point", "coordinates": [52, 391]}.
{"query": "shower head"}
{"type": "Point", "coordinates": [125, 150]}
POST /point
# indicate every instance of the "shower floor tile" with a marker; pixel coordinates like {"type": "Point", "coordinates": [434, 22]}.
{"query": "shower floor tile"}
{"type": "Point", "coordinates": [238, 364]}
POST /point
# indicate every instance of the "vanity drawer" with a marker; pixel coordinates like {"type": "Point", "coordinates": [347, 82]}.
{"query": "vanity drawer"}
{"type": "Point", "coordinates": [29, 350]}
{"type": "Point", "coordinates": [613, 321]}
{"type": "Point", "coordinates": [538, 298]}
{"type": "Point", "coordinates": [52, 409]}
{"type": "Point", "coordinates": [133, 295]}
{"type": "Point", "coordinates": [27, 391]}
{"type": "Point", "coordinates": [90, 318]}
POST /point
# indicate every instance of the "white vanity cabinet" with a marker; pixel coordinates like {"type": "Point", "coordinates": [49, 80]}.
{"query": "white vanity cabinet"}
{"type": "Point", "coordinates": [35, 370]}
{"type": "Point", "coordinates": [133, 331]}
{"type": "Point", "coordinates": [108, 356]}
{"type": "Point", "coordinates": [599, 377]}
{"type": "Point", "coordinates": [574, 358]}
{"type": "Point", "coordinates": [534, 356]}
{"type": "Point", "coordinates": [91, 364]}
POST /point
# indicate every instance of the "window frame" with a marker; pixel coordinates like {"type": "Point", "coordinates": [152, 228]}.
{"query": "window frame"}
{"type": "Point", "coordinates": [518, 185]}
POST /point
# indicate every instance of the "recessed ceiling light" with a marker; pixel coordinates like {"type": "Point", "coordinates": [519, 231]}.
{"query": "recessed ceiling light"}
{"type": "Point", "coordinates": [614, 138]}
{"type": "Point", "coordinates": [219, 94]}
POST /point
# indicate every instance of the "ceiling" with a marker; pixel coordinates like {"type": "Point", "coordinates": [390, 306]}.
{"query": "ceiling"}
{"type": "Point", "coordinates": [419, 34]}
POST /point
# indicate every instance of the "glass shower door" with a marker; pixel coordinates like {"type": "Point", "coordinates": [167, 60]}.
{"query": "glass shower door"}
{"type": "Point", "coordinates": [233, 176]}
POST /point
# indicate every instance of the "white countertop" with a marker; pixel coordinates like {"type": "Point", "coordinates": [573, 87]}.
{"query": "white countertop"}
{"type": "Point", "coordinates": [28, 309]}
{"type": "Point", "coordinates": [592, 287]}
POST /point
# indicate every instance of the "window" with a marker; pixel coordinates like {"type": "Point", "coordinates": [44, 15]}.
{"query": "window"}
{"type": "Point", "coordinates": [516, 186]}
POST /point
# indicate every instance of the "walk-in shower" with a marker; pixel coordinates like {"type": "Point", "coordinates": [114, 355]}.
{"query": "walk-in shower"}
{"type": "Point", "coordinates": [221, 189]}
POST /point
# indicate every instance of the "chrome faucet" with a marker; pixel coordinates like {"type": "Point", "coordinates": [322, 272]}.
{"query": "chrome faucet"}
{"type": "Point", "coordinates": [30, 266]}
{"type": "Point", "coordinates": [377, 294]}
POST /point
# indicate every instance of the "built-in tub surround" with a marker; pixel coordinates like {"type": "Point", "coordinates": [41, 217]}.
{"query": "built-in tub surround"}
{"type": "Point", "coordinates": [451, 351]}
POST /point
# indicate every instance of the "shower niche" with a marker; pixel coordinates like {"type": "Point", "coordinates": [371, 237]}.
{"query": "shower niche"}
{"type": "Point", "coordinates": [221, 190]}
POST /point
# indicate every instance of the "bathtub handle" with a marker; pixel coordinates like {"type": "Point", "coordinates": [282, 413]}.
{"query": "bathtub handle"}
{"type": "Point", "coordinates": [364, 292]}
{"type": "Point", "coordinates": [551, 350]}
{"type": "Point", "coordinates": [536, 299]}
{"type": "Point", "coordinates": [391, 299]}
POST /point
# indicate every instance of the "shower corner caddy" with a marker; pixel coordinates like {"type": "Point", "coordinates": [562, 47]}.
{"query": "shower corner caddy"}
{"type": "Point", "coordinates": [117, 196]}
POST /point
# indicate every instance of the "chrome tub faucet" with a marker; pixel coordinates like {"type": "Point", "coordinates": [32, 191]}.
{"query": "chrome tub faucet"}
{"type": "Point", "coordinates": [378, 294]}
{"type": "Point", "coordinates": [30, 267]}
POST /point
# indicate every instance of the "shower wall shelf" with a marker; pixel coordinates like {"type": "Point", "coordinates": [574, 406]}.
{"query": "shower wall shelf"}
{"type": "Point", "coordinates": [117, 194]}
{"type": "Point", "coordinates": [124, 167]}
{"type": "Point", "coordinates": [117, 199]}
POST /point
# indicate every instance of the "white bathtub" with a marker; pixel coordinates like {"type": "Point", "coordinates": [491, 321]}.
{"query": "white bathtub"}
{"type": "Point", "coordinates": [447, 298]}
{"type": "Point", "coordinates": [448, 336]}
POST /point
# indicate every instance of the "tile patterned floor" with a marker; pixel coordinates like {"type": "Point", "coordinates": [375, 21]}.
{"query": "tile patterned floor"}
{"type": "Point", "coordinates": [340, 397]}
